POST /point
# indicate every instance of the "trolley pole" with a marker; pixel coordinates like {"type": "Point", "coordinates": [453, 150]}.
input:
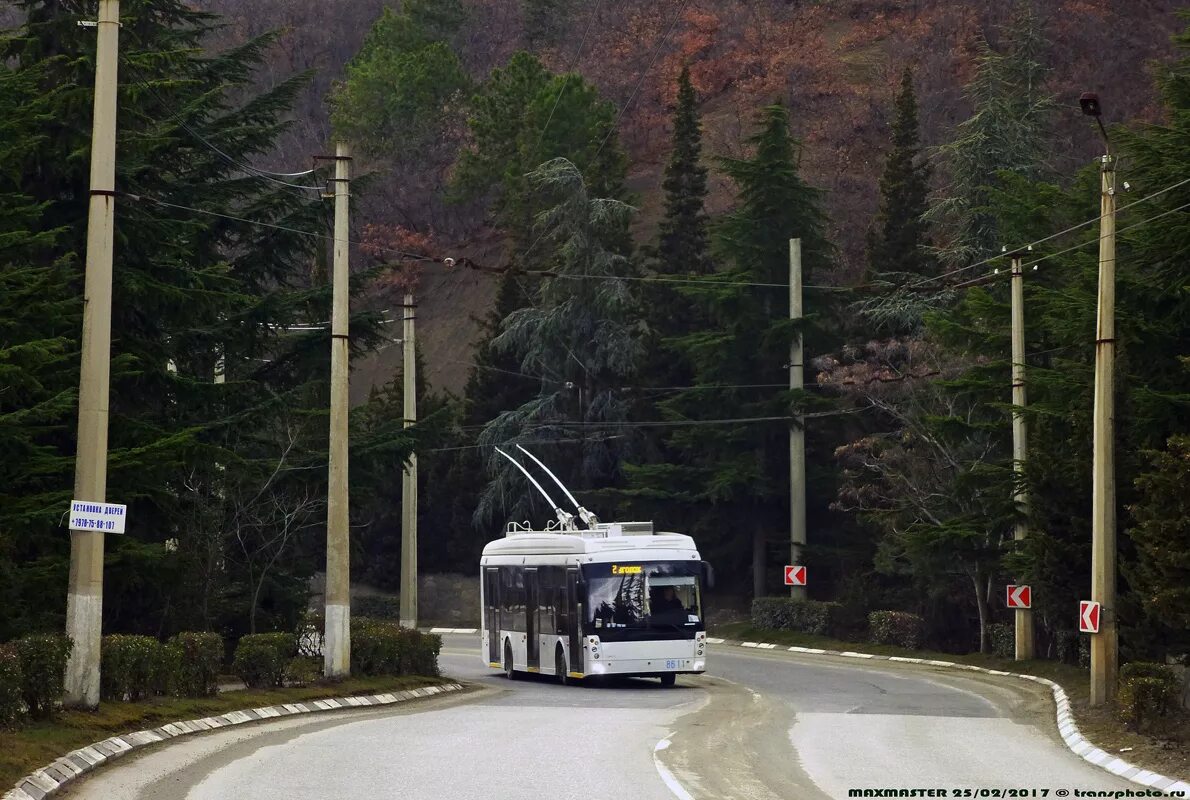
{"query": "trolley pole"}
{"type": "Point", "coordinates": [337, 644]}
{"type": "Point", "coordinates": [84, 599]}
{"type": "Point", "coordinates": [797, 433]}
{"type": "Point", "coordinates": [1020, 433]}
{"type": "Point", "coordinates": [409, 479]}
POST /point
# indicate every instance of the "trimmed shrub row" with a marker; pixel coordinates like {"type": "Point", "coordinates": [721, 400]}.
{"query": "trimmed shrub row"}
{"type": "Point", "coordinates": [32, 677]}
{"type": "Point", "coordinates": [380, 647]}
{"type": "Point", "coordinates": [1148, 693]}
{"type": "Point", "coordinates": [803, 616]}
{"type": "Point", "coordinates": [261, 659]}
{"type": "Point", "coordinates": [1003, 639]}
{"type": "Point", "coordinates": [898, 628]}
{"type": "Point", "coordinates": [136, 667]}
{"type": "Point", "coordinates": [12, 708]}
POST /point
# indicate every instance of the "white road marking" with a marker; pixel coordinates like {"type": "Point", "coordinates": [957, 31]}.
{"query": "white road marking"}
{"type": "Point", "coordinates": [670, 781]}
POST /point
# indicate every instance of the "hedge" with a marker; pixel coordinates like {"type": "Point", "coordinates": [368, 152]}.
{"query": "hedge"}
{"type": "Point", "coordinates": [1148, 692]}
{"type": "Point", "coordinates": [261, 658]}
{"type": "Point", "coordinates": [898, 628]}
{"type": "Point", "coordinates": [42, 659]}
{"type": "Point", "coordinates": [201, 656]}
{"type": "Point", "coordinates": [804, 616]}
{"type": "Point", "coordinates": [129, 667]}
{"type": "Point", "coordinates": [1003, 639]}
{"type": "Point", "coordinates": [303, 670]}
{"type": "Point", "coordinates": [12, 707]}
{"type": "Point", "coordinates": [380, 647]}
{"type": "Point", "coordinates": [419, 652]}
{"type": "Point", "coordinates": [375, 647]}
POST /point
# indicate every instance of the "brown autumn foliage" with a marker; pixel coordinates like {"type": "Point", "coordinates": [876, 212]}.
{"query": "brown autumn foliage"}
{"type": "Point", "coordinates": [834, 62]}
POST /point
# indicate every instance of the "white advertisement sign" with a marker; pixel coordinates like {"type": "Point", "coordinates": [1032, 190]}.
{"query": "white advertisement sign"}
{"type": "Point", "coordinates": [105, 517]}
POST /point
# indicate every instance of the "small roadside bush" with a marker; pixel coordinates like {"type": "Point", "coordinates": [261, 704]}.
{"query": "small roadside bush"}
{"type": "Point", "coordinates": [375, 647]}
{"type": "Point", "coordinates": [1002, 636]}
{"type": "Point", "coordinates": [898, 628]}
{"type": "Point", "coordinates": [418, 652]}
{"type": "Point", "coordinates": [302, 671]}
{"type": "Point", "coordinates": [200, 656]}
{"type": "Point", "coordinates": [803, 616]}
{"type": "Point", "coordinates": [260, 658]}
{"type": "Point", "coordinates": [42, 660]}
{"type": "Point", "coordinates": [12, 707]}
{"type": "Point", "coordinates": [127, 667]}
{"type": "Point", "coordinates": [1148, 694]}
{"type": "Point", "coordinates": [166, 671]}
{"type": "Point", "coordinates": [377, 607]}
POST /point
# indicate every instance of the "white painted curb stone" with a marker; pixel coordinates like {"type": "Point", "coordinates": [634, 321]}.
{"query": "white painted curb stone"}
{"type": "Point", "coordinates": [50, 780]}
{"type": "Point", "coordinates": [1065, 719]}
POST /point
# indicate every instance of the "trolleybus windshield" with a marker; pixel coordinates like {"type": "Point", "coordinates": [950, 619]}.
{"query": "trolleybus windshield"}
{"type": "Point", "coordinates": [644, 596]}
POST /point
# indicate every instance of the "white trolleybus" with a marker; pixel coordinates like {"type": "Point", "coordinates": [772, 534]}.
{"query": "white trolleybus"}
{"type": "Point", "coordinates": [601, 600]}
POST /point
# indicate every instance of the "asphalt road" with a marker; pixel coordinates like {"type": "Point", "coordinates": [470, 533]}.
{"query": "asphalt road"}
{"type": "Point", "coordinates": [760, 725]}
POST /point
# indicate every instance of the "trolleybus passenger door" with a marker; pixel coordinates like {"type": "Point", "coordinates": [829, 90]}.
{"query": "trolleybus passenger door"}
{"type": "Point", "coordinates": [491, 611]}
{"type": "Point", "coordinates": [574, 608]}
{"type": "Point", "coordinates": [532, 642]}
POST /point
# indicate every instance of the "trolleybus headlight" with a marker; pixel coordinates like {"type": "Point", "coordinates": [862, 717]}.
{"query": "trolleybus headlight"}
{"type": "Point", "coordinates": [700, 665]}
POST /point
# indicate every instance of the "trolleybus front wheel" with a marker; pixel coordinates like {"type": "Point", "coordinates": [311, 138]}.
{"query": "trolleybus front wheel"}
{"type": "Point", "coordinates": [669, 678]}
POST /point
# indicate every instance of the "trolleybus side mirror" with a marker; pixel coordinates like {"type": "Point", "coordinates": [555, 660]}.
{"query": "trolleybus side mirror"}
{"type": "Point", "coordinates": [708, 574]}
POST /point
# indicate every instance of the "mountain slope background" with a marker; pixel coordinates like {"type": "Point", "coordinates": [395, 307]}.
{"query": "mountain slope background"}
{"type": "Point", "coordinates": [835, 63]}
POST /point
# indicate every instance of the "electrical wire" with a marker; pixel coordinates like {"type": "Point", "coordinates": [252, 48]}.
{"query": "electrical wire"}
{"type": "Point", "coordinates": [1045, 239]}
{"type": "Point", "coordinates": [271, 177]}
{"type": "Point", "coordinates": [1072, 248]}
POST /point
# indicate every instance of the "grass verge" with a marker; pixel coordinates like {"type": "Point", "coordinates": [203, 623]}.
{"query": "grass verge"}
{"type": "Point", "coordinates": [39, 743]}
{"type": "Point", "coordinates": [1165, 752]}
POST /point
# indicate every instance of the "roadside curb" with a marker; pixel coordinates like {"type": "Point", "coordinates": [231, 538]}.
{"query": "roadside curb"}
{"type": "Point", "coordinates": [51, 779]}
{"type": "Point", "coordinates": [1065, 719]}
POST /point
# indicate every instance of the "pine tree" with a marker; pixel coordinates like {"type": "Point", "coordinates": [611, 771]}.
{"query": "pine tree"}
{"type": "Point", "coordinates": [522, 117]}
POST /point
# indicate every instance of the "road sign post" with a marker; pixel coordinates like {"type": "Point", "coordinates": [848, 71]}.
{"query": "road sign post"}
{"type": "Point", "coordinates": [795, 576]}
{"type": "Point", "coordinates": [1020, 597]}
{"type": "Point", "coordinates": [1088, 616]}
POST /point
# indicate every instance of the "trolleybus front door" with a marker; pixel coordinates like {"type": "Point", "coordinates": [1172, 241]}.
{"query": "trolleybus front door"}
{"type": "Point", "coordinates": [575, 607]}
{"type": "Point", "coordinates": [532, 641]}
{"type": "Point", "coordinates": [491, 599]}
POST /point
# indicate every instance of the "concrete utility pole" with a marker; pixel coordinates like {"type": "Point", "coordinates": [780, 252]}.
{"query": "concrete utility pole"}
{"type": "Point", "coordinates": [84, 600]}
{"type": "Point", "coordinates": [1105, 653]}
{"type": "Point", "coordinates": [1020, 433]}
{"type": "Point", "coordinates": [336, 650]}
{"type": "Point", "coordinates": [409, 479]}
{"type": "Point", "coordinates": [797, 433]}
{"type": "Point", "coordinates": [1105, 656]}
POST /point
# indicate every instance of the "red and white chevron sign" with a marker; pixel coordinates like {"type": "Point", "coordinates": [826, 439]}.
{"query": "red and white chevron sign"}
{"type": "Point", "coordinates": [1020, 597]}
{"type": "Point", "coordinates": [1088, 616]}
{"type": "Point", "coordinates": [795, 576]}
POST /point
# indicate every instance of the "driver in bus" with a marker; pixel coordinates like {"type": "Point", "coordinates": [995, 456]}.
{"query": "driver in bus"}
{"type": "Point", "coordinates": [668, 602]}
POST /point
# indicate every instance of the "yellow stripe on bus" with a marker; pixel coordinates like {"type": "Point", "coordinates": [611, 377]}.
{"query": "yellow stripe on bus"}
{"type": "Point", "coordinates": [495, 664]}
{"type": "Point", "coordinates": [534, 669]}
{"type": "Point", "coordinates": [575, 675]}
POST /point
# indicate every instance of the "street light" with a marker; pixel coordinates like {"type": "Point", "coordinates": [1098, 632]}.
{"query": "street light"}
{"type": "Point", "coordinates": [1105, 643]}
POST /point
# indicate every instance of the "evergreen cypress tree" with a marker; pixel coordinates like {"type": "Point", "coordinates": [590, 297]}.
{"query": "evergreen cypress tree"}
{"type": "Point", "coordinates": [684, 244]}
{"type": "Point", "coordinates": [730, 482]}
{"type": "Point", "coordinates": [900, 242]}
